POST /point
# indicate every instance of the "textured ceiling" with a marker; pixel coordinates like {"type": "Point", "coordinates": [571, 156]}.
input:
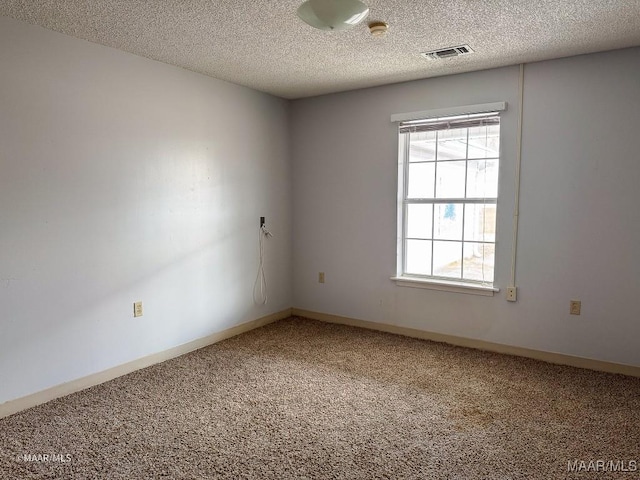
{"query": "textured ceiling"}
{"type": "Point", "coordinates": [262, 44]}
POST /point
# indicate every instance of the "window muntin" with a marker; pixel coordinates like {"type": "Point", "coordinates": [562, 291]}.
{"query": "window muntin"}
{"type": "Point", "coordinates": [449, 192]}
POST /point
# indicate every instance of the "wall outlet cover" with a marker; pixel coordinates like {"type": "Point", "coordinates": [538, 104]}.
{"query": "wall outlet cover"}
{"type": "Point", "coordinates": [575, 306]}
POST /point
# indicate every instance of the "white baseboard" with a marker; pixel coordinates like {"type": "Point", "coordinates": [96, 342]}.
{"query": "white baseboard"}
{"type": "Point", "coordinates": [19, 404]}
{"type": "Point", "coordinates": [548, 357]}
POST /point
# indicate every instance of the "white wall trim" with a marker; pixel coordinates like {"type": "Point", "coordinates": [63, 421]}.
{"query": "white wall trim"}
{"type": "Point", "coordinates": [19, 404]}
{"type": "Point", "coordinates": [445, 286]}
{"type": "Point", "coordinates": [449, 112]}
{"type": "Point", "coordinates": [549, 357]}
{"type": "Point", "coordinates": [38, 398]}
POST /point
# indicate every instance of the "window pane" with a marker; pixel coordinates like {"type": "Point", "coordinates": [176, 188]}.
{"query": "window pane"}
{"type": "Point", "coordinates": [480, 223]}
{"type": "Point", "coordinates": [452, 144]}
{"type": "Point", "coordinates": [419, 220]}
{"type": "Point", "coordinates": [448, 221]}
{"type": "Point", "coordinates": [450, 179]}
{"type": "Point", "coordinates": [447, 259]}
{"type": "Point", "coordinates": [453, 239]}
{"type": "Point", "coordinates": [482, 179]}
{"type": "Point", "coordinates": [484, 142]}
{"type": "Point", "coordinates": [418, 257]}
{"type": "Point", "coordinates": [478, 261]}
{"type": "Point", "coordinates": [421, 180]}
{"type": "Point", "coordinates": [422, 147]}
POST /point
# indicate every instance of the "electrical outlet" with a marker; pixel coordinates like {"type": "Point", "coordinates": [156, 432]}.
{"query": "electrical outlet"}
{"type": "Point", "coordinates": [574, 307]}
{"type": "Point", "coordinates": [512, 294]}
{"type": "Point", "coordinates": [321, 277]}
{"type": "Point", "coordinates": [262, 222]}
{"type": "Point", "coordinates": [137, 309]}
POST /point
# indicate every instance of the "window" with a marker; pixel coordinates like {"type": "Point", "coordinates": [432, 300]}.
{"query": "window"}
{"type": "Point", "coordinates": [448, 192]}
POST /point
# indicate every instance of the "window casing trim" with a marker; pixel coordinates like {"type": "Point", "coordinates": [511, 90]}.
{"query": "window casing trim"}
{"type": "Point", "coordinates": [449, 112]}
{"type": "Point", "coordinates": [434, 282]}
{"type": "Point", "coordinates": [445, 285]}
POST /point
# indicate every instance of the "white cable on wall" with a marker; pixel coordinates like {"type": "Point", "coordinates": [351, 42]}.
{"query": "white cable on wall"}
{"type": "Point", "coordinates": [260, 285]}
{"type": "Point", "coordinates": [516, 209]}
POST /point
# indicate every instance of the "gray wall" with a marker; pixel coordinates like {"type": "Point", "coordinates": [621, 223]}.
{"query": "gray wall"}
{"type": "Point", "coordinates": [579, 217]}
{"type": "Point", "coordinates": [124, 179]}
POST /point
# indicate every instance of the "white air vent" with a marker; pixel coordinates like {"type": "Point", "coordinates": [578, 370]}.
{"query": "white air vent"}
{"type": "Point", "coordinates": [447, 52]}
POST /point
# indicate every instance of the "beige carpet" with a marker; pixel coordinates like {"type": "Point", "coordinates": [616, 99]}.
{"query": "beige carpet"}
{"type": "Point", "coordinates": [304, 399]}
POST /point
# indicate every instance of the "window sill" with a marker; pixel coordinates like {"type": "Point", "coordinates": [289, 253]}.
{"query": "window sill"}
{"type": "Point", "coordinates": [445, 286]}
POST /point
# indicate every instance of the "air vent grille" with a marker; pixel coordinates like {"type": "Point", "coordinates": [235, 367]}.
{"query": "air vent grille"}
{"type": "Point", "coordinates": [447, 52]}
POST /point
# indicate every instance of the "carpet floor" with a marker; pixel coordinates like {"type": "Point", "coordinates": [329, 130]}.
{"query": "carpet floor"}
{"type": "Point", "coordinates": [304, 399]}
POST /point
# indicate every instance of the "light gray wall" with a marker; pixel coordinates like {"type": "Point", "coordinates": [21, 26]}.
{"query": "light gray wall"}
{"type": "Point", "coordinates": [124, 179]}
{"type": "Point", "coordinates": [579, 220]}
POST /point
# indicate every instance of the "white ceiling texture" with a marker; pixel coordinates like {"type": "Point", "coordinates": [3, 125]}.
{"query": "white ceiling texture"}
{"type": "Point", "coordinates": [262, 44]}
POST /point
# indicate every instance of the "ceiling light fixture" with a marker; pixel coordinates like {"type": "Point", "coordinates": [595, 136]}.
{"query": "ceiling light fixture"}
{"type": "Point", "coordinates": [333, 14]}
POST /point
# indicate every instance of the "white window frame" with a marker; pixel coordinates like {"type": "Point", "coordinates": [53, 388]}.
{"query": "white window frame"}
{"type": "Point", "coordinates": [430, 282]}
